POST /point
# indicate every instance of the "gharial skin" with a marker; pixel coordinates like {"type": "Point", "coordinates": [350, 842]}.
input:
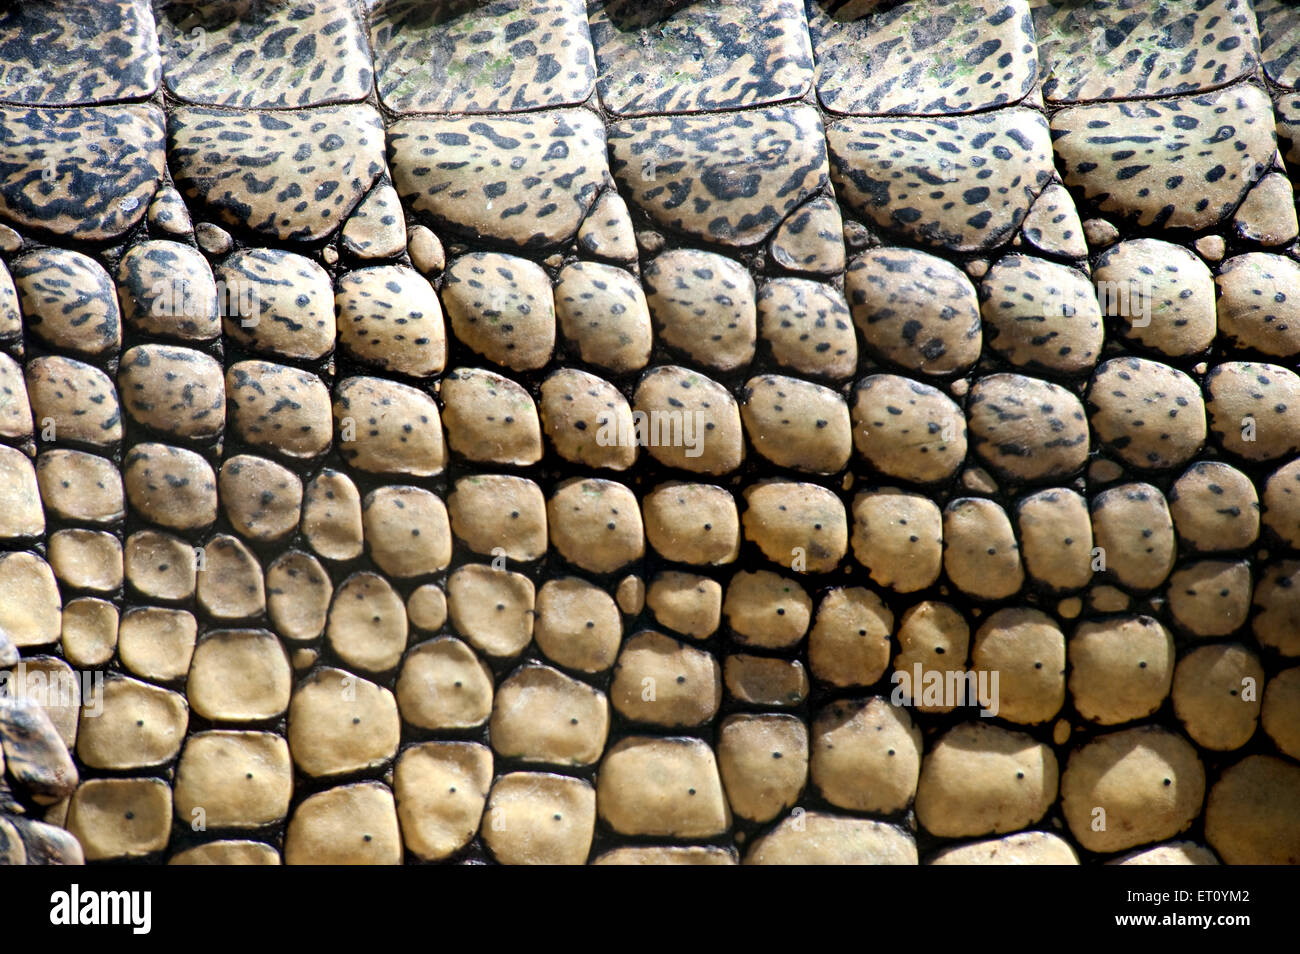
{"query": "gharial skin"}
{"type": "Point", "coordinates": [537, 431]}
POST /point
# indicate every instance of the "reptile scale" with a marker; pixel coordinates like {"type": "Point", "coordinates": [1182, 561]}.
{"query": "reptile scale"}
{"type": "Point", "coordinates": [646, 432]}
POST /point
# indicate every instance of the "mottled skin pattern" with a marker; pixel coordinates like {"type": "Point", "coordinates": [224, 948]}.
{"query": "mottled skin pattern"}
{"type": "Point", "coordinates": [174, 486]}
{"type": "Point", "coordinates": [1287, 112]}
{"type": "Point", "coordinates": [263, 54]}
{"type": "Point", "coordinates": [915, 310]}
{"type": "Point", "coordinates": [79, 398]}
{"type": "Point", "coordinates": [607, 231]}
{"type": "Point", "coordinates": [1258, 295]}
{"type": "Point", "coordinates": [293, 175]}
{"type": "Point", "coordinates": [283, 303]}
{"type": "Point", "coordinates": [389, 316]}
{"type": "Point", "coordinates": [940, 57]}
{"type": "Point", "coordinates": [1180, 297]}
{"type": "Point", "coordinates": [525, 180]}
{"type": "Point", "coordinates": [1027, 429]}
{"type": "Point", "coordinates": [1041, 316]}
{"type": "Point", "coordinates": [603, 311]}
{"type": "Point", "coordinates": [1053, 225]}
{"type": "Point", "coordinates": [181, 277]}
{"type": "Point", "coordinates": [377, 228]}
{"type": "Point", "coordinates": [177, 392]}
{"type": "Point", "coordinates": [262, 499]}
{"type": "Point", "coordinates": [703, 305]}
{"type": "Point", "coordinates": [812, 239]}
{"type": "Point", "coordinates": [489, 418]}
{"type": "Point", "coordinates": [907, 430]}
{"type": "Point", "coordinates": [501, 307]}
{"type": "Point", "coordinates": [812, 188]}
{"type": "Point", "coordinates": [15, 410]}
{"type": "Point", "coordinates": [728, 178]}
{"type": "Point", "coordinates": [280, 408]}
{"type": "Point", "coordinates": [11, 321]}
{"type": "Point", "coordinates": [34, 753]}
{"type": "Point", "coordinates": [69, 300]}
{"type": "Point", "coordinates": [1279, 40]}
{"type": "Point", "coordinates": [83, 174]}
{"type": "Point", "coordinates": [1178, 163]}
{"type": "Point", "coordinates": [656, 57]}
{"type": "Point", "coordinates": [808, 328]}
{"type": "Point", "coordinates": [398, 428]}
{"type": "Point", "coordinates": [1135, 406]}
{"type": "Point", "coordinates": [167, 213]}
{"type": "Point", "coordinates": [470, 57]}
{"type": "Point", "coordinates": [43, 58]}
{"type": "Point", "coordinates": [964, 183]}
{"type": "Point", "coordinates": [1116, 49]}
{"type": "Point", "coordinates": [574, 405]}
